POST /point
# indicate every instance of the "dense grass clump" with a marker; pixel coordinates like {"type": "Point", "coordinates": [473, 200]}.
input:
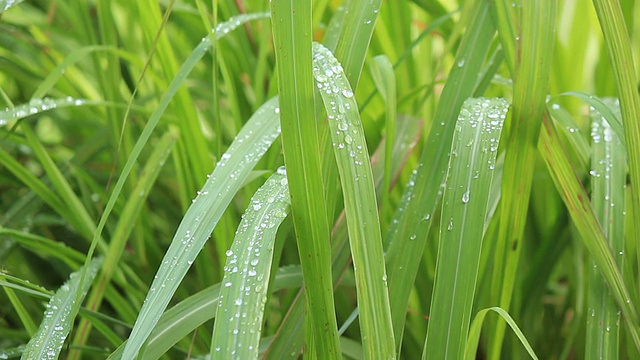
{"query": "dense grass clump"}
{"type": "Point", "coordinates": [323, 179]}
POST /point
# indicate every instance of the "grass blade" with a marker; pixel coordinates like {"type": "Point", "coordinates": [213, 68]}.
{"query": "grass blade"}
{"type": "Point", "coordinates": [58, 318]}
{"type": "Point", "coordinates": [246, 279]}
{"type": "Point", "coordinates": [476, 328]}
{"type": "Point", "coordinates": [466, 198]}
{"type": "Point", "coordinates": [291, 23]}
{"type": "Point", "coordinates": [36, 106]}
{"type": "Point", "coordinates": [599, 105]}
{"type": "Point", "coordinates": [359, 202]}
{"type": "Point", "coordinates": [608, 180]}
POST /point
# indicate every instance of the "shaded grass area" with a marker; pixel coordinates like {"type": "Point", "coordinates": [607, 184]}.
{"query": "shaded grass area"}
{"type": "Point", "coordinates": [323, 179]}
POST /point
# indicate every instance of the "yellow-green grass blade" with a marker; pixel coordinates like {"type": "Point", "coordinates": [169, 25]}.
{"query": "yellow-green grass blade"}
{"type": "Point", "coordinates": [202, 216]}
{"type": "Point", "coordinates": [576, 199]}
{"type": "Point", "coordinates": [529, 103]}
{"type": "Point", "coordinates": [291, 25]}
{"type": "Point", "coordinates": [360, 204]}
{"type": "Point", "coordinates": [237, 330]}
{"type": "Point", "coordinates": [192, 312]}
{"type": "Point", "coordinates": [383, 76]}
{"type": "Point", "coordinates": [58, 318]}
{"type": "Point", "coordinates": [618, 45]}
{"type": "Point", "coordinates": [608, 180]}
{"type": "Point", "coordinates": [465, 205]}
{"type": "Point", "coordinates": [407, 235]}
{"type": "Point", "coordinates": [476, 328]}
{"type": "Point", "coordinates": [288, 341]}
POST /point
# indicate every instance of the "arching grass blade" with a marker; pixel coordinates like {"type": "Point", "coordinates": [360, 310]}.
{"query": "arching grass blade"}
{"type": "Point", "coordinates": [247, 271]}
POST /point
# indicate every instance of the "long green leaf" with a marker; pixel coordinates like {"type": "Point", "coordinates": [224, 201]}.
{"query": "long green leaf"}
{"type": "Point", "coordinates": [608, 180]}
{"type": "Point", "coordinates": [58, 318]}
{"type": "Point", "coordinates": [360, 205]}
{"type": "Point", "coordinates": [466, 196]}
{"type": "Point", "coordinates": [244, 287]}
{"type": "Point", "coordinates": [291, 24]}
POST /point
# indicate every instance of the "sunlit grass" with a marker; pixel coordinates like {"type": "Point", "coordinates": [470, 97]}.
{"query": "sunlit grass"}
{"type": "Point", "coordinates": [242, 179]}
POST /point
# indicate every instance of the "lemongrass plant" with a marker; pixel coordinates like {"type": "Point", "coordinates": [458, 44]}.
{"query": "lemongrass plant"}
{"type": "Point", "coordinates": [322, 179]}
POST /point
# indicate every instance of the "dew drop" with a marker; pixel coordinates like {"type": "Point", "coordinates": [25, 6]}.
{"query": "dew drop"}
{"type": "Point", "coordinates": [465, 197]}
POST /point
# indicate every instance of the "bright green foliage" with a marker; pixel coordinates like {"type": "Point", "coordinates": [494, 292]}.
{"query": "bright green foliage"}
{"type": "Point", "coordinates": [155, 136]}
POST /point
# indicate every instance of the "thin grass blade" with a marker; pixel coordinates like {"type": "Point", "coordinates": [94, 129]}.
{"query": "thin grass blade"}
{"type": "Point", "coordinates": [291, 24]}
{"type": "Point", "coordinates": [360, 204]}
{"type": "Point", "coordinates": [244, 286]}
{"type": "Point", "coordinates": [128, 219]}
{"type": "Point", "coordinates": [58, 318]}
{"type": "Point", "coordinates": [572, 131]}
{"type": "Point", "coordinates": [608, 181]}
{"type": "Point", "coordinates": [615, 119]}
{"type": "Point", "coordinates": [35, 106]}
{"type": "Point", "coordinates": [476, 327]}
